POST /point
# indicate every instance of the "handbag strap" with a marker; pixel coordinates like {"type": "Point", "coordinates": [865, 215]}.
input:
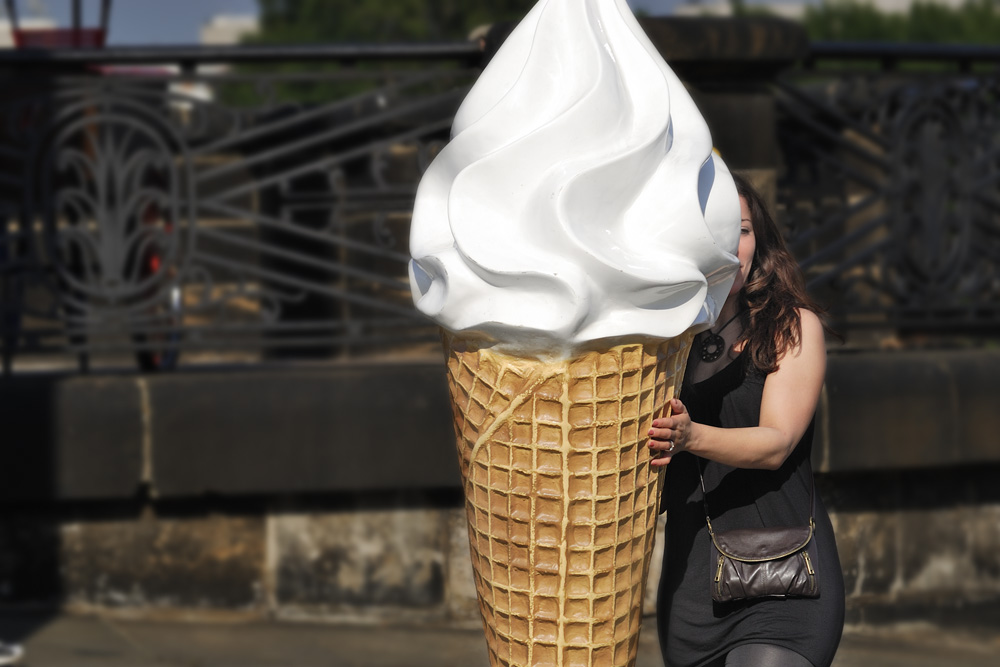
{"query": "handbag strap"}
{"type": "Point", "coordinates": [704, 498]}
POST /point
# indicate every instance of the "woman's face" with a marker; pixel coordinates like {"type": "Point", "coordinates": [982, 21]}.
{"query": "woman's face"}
{"type": "Point", "coordinates": [748, 244]}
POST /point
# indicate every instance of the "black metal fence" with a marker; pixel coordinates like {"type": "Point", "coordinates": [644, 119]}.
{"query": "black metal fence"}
{"type": "Point", "coordinates": [890, 187]}
{"type": "Point", "coordinates": [245, 214]}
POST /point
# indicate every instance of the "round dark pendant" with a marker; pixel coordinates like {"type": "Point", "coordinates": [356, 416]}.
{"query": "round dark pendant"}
{"type": "Point", "coordinates": [711, 347]}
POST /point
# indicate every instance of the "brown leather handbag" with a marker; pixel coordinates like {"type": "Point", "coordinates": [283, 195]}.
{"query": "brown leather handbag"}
{"type": "Point", "coordinates": [763, 562]}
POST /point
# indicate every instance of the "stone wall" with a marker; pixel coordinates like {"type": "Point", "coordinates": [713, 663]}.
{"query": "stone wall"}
{"type": "Point", "coordinates": [194, 494]}
{"type": "Point", "coordinates": [920, 546]}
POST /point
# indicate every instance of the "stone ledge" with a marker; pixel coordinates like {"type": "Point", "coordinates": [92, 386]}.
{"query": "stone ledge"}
{"type": "Point", "coordinates": [898, 410]}
{"type": "Point", "coordinates": [378, 426]}
{"type": "Point", "coordinates": [411, 565]}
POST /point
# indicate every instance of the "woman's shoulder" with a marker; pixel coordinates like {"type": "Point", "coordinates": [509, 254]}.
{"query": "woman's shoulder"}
{"type": "Point", "coordinates": [807, 315]}
{"type": "Point", "coordinates": [812, 328]}
{"type": "Point", "coordinates": [810, 345]}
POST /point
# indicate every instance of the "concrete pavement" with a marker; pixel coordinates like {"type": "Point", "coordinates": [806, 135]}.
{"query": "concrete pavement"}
{"type": "Point", "coordinates": [90, 641]}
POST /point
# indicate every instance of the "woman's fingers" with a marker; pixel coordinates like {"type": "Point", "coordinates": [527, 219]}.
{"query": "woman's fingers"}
{"type": "Point", "coordinates": [661, 434]}
{"type": "Point", "coordinates": [666, 435]}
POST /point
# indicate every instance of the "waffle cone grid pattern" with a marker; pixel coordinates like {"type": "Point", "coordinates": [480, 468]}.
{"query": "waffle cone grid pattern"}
{"type": "Point", "coordinates": [560, 496]}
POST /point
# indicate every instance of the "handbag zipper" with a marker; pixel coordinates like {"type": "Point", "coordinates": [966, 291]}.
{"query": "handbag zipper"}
{"type": "Point", "coordinates": [718, 574]}
{"type": "Point", "coordinates": [809, 565]}
{"type": "Point", "coordinates": [809, 568]}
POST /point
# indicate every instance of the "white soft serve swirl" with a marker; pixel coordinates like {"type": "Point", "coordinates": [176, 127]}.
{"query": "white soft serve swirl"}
{"type": "Point", "coordinates": [579, 198]}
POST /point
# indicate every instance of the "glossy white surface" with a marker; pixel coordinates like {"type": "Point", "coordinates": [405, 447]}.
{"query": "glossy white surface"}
{"type": "Point", "coordinates": [579, 198]}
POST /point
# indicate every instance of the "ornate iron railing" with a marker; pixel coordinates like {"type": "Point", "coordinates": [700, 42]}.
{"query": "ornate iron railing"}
{"type": "Point", "coordinates": [890, 191]}
{"type": "Point", "coordinates": [146, 212]}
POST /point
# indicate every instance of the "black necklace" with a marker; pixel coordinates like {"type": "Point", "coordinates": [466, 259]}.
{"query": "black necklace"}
{"type": "Point", "coordinates": [712, 344]}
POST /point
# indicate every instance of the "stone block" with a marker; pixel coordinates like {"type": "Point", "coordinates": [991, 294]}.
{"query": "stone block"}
{"type": "Point", "coordinates": [868, 544]}
{"type": "Point", "coordinates": [367, 563]}
{"type": "Point", "coordinates": [204, 563]}
{"type": "Point", "coordinates": [71, 438]}
{"type": "Point", "coordinates": [885, 412]}
{"type": "Point", "coordinates": [304, 431]}
{"type": "Point", "coordinates": [463, 603]}
{"type": "Point", "coordinates": [906, 410]}
{"type": "Point", "coordinates": [655, 568]}
{"type": "Point", "coordinates": [985, 543]}
{"type": "Point", "coordinates": [942, 552]}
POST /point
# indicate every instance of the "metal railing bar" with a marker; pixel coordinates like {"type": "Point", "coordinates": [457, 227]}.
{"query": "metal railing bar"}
{"type": "Point", "coordinates": [844, 241]}
{"type": "Point", "coordinates": [903, 51]}
{"type": "Point", "coordinates": [843, 119]}
{"type": "Point", "coordinates": [315, 288]}
{"type": "Point", "coordinates": [854, 260]}
{"type": "Point", "coordinates": [129, 326]}
{"type": "Point", "coordinates": [355, 197]}
{"type": "Point", "coordinates": [291, 148]}
{"type": "Point", "coordinates": [305, 260]}
{"type": "Point", "coordinates": [446, 51]}
{"type": "Point", "coordinates": [285, 226]}
{"type": "Point", "coordinates": [280, 124]}
{"type": "Point", "coordinates": [324, 75]}
{"type": "Point", "coordinates": [366, 340]}
{"type": "Point", "coordinates": [844, 169]}
{"type": "Point", "coordinates": [245, 53]}
{"type": "Point", "coordinates": [332, 160]}
{"type": "Point", "coordinates": [837, 138]}
{"type": "Point", "coordinates": [832, 221]}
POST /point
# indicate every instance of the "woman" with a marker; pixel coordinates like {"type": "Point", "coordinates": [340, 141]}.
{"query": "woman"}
{"type": "Point", "coordinates": [750, 391]}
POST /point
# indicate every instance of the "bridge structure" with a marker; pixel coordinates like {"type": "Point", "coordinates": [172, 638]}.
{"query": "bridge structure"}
{"type": "Point", "coordinates": [209, 352]}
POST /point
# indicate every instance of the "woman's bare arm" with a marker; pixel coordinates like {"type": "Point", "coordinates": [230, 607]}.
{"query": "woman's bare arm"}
{"type": "Point", "coordinates": [789, 401]}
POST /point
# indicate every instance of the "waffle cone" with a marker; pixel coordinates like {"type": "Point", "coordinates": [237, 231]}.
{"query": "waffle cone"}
{"type": "Point", "coordinates": [560, 496]}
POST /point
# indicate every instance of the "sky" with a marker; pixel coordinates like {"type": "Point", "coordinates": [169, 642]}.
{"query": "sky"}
{"type": "Point", "coordinates": [178, 21]}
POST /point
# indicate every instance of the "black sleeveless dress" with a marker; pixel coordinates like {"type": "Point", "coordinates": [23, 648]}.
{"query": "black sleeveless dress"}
{"type": "Point", "coordinates": [693, 629]}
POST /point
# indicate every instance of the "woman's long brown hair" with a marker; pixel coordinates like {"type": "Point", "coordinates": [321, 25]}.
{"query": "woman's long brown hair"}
{"type": "Point", "coordinates": [773, 291]}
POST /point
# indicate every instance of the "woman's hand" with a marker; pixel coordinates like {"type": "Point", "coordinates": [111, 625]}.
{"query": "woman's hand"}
{"type": "Point", "coordinates": [670, 435]}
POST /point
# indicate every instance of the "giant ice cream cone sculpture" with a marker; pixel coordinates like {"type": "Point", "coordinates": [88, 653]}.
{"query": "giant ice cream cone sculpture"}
{"type": "Point", "coordinates": [569, 240]}
{"type": "Point", "coordinates": [562, 501]}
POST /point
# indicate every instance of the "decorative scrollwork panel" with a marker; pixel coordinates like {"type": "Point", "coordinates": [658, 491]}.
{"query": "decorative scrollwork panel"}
{"type": "Point", "coordinates": [145, 216]}
{"type": "Point", "coordinates": [890, 197]}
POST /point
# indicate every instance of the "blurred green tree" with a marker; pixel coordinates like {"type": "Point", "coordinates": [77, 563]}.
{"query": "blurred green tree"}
{"type": "Point", "coordinates": [357, 21]}
{"type": "Point", "coordinates": [316, 21]}
{"type": "Point", "coordinates": [975, 22]}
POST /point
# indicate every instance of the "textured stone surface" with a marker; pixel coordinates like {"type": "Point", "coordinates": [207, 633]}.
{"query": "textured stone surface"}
{"type": "Point", "coordinates": [655, 569]}
{"type": "Point", "coordinates": [302, 430]}
{"type": "Point", "coordinates": [909, 410]}
{"type": "Point", "coordinates": [199, 562]}
{"type": "Point", "coordinates": [915, 546]}
{"type": "Point", "coordinates": [70, 438]}
{"type": "Point", "coordinates": [958, 550]}
{"type": "Point", "coordinates": [463, 603]}
{"type": "Point", "coordinates": [360, 562]}
{"type": "Point", "coordinates": [140, 563]}
{"type": "Point", "coordinates": [868, 544]}
{"type": "Point", "coordinates": [293, 430]}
